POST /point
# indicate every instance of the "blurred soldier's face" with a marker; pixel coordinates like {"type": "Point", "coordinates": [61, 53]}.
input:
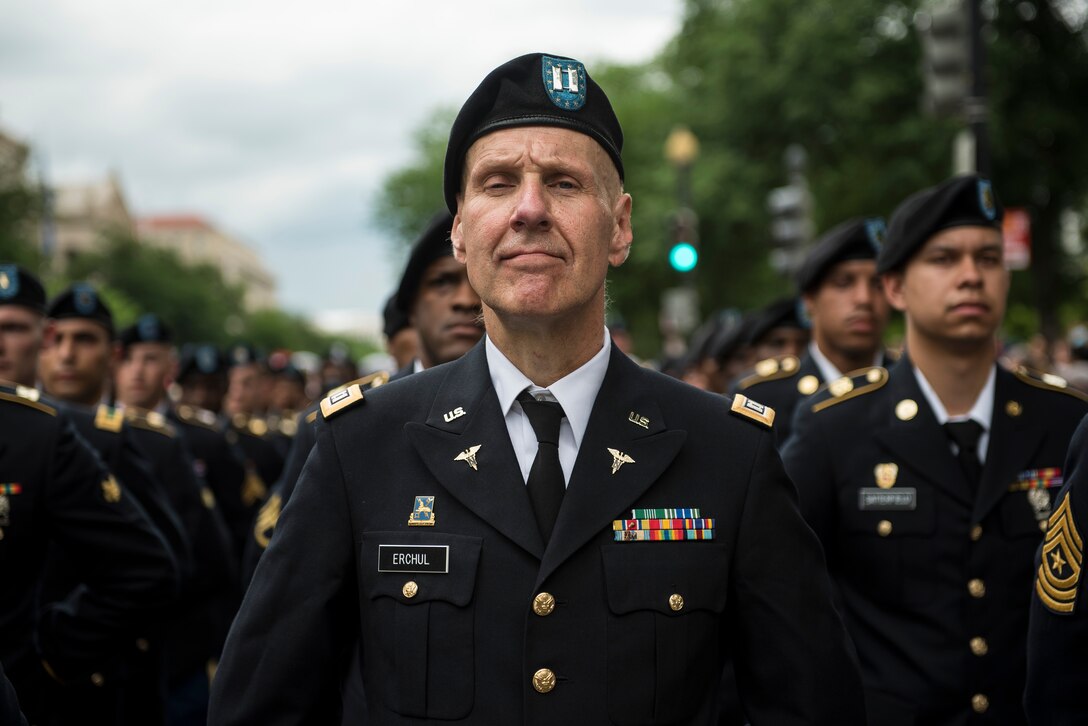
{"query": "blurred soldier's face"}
{"type": "Point", "coordinates": [541, 216]}
{"type": "Point", "coordinates": [953, 290]}
{"type": "Point", "coordinates": [848, 310]}
{"type": "Point", "coordinates": [143, 374]}
{"type": "Point", "coordinates": [783, 340]}
{"type": "Point", "coordinates": [403, 346]}
{"type": "Point", "coordinates": [446, 313]}
{"type": "Point", "coordinates": [76, 364]}
{"type": "Point", "coordinates": [21, 331]}
{"type": "Point", "coordinates": [204, 390]}
{"type": "Point", "coordinates": [245, 390]}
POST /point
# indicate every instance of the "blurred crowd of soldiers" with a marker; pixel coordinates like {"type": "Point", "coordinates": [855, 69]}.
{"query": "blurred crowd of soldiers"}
{"type": "Point", "coordinates": [142, 481]}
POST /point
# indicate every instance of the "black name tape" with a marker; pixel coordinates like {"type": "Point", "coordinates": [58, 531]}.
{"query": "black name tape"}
{"type": "Point", "coordinates": [899, 499]}
{"type": "Point", "coordinates": [414, 558]}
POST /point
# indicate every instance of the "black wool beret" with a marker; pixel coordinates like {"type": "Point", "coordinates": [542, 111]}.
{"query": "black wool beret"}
{"type": "Point", "coordinates": [394, 319]}
{"type": "Point", "coordinates": [19, 287]}
{"type": "Point", "coordinates": [200, 358]}
{"type": "Point", "coordinates": [80, 300]}
{"type": "Point", "coordinates": [784, 313]}
{"type": "Point", "coordinates": [962, 201]}
{"type": "Point", "coordinates": [148, 328]}
{"type": "Point", "coordinates": [856, 239]}
{"type": "Point", "coordinates": [432, 244]}
{"type": "Point", "coordinates": [532, 90]}
{"type": "Point", "coordinates": [243, 354]}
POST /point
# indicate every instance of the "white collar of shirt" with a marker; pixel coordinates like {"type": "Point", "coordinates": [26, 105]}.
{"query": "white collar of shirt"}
{"type": "Point", "coordinates": [575, 392]}
{"type": "Point", "coordinates": [982, 411]}
{"type": "Point", "coordinates": [417, 365]}
{"type": "Point", "coordinates": [827, 368]}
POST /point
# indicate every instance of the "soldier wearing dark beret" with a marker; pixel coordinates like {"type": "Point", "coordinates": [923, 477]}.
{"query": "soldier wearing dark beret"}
{"type": "Point", "coordinates": [846, 308]}
{"type": "Point", "coordinates": [540, 531]}
{"type": "Point", "coordinates": [401, 339]}
{"type": "Point", "coordinates": [779, 329]}
{"type": "Point", "coordinates": [22, 324]}
{"type": "Point", "coordinates": [930, 485]}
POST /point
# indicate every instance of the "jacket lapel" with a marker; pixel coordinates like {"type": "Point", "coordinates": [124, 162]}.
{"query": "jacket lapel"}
{"type": "Point", "coordinates": [919, 442]}
{"type": "Point", "coordinates": [494, 490]}
{"type": "Point", "coordinates": [1013, 441]}
{"type": "Point", "coordinates": [596, 494]}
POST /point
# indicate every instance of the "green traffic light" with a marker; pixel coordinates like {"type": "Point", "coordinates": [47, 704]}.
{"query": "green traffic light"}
{"type": "Point", "coordinates": [683, 257]}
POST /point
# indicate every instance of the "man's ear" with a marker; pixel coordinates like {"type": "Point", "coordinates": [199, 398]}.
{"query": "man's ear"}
{"type": "Point", "coordinates": [457, 237]}
{"type": "Point", "coordinates": [893, 289]}
{"type": "Point", "coordinates": [622, 235]}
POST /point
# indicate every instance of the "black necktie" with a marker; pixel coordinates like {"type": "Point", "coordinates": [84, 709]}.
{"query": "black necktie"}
{"type": "Point", "coordinates": [546, 484]}
{"type": "Point", "coordinates": [966, 434]}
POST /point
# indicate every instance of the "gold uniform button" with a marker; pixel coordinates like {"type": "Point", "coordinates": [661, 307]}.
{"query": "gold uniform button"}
{"type": "Point", "coordinates": [676, 602]}
{"type": "Point", "coordinates": [142, 645]}
{"type": "Point", "coordinates": [410, 589]}
{"type": "Point", "coordinates": [884, 528]}
{"type": "Point", "coordinates": [543, 604]}
{"type": "Point", "coordinates": [98, 679]}
{"type": "Point", "coordinates": [544, 680]}
{"type": "Point", "coordinates": [980, 703]}
{"type": "Point", "coordinates": [976, 533]}
{"type": "Point", "coordinates": [977, 588]}
{"type": "Point", "coordinates": [979, 646]}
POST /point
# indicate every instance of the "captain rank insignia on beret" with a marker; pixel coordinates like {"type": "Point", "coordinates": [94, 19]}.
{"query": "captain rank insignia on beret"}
{"type": "Point", "coordinates": [1058, 576]}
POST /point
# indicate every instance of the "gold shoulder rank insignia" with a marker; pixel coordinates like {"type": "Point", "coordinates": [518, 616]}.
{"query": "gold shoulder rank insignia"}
{"type": "Point", "coordinates": [267, 518]}
{"type": "Point", "coordinates": [746, 407]}
{"type": "Point", "coordinates": [337, 402]}
{"type": "Point", "coordinates": [109, 419]}
{"type": "Point", "coordinates": [1049, 382]}
{"type": "Point", "coordinates": [771, 369]}
{"type": "Point", "coordinates": [852, 385]}
{"type": "Point", "coordinates": [198, 416]}
{"type": "Point", "coordinates": [1058, 576]}
{"type": "Point", "coordinates": [26, 397]}
{"type": "Point", "coordinates": [311, 416]}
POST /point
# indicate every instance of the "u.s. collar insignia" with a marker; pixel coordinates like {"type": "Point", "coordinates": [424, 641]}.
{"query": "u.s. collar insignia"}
{"type": "Point", "coordinates": [638, 420]}
{"type": "Point", "coordinates": [564, 82]}
{"type": "Point", "coordinates": [886, 474]}
{"type": "Point", "coordinates": [423, 513]}
{"type": "Point", "coordinates": [619, 459]}
{"type": "Point", "coordinates": [454, 414]}
{"type": "Point", "coordinates": [9, 281]}
{"type": "Point", "coordinates": [1058, 576]}
{"type": "Point", "coordinates": [469, 456]}
{"type": "Point", "coordinates": [986, 200]}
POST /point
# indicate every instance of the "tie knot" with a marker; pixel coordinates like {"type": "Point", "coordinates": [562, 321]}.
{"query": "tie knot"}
{"type": "Point", "coordinates": [545, 417]}
{"type": "Point", "coordinates": [965, 433]}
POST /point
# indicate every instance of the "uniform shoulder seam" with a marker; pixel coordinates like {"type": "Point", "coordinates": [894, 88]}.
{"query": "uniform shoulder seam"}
{"type": "Point", "coordinates": [771, 369]}
{"type": "Point", "coordinates": [853, 384]}
{"type": "Point", "coordinates": [20, 398]}
{"type": "Point", "coordinates": [1049, 382]}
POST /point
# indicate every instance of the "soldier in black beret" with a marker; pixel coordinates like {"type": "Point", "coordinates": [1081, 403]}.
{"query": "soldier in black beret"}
{"type": "Point", "coordinates": [779, 329]}
{"type": "Point", "coordinates": [476, 525]}
{"type": "Point", "coordinates": [22, 324]}
{"type": "Point", "coordinates": [401, 339]}
{"type": "Point", "coordinates": [929, 484]}
{"type": "Point", "coordinates": [846, 308]}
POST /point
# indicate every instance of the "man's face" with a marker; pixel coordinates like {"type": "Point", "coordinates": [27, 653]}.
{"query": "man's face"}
{"type": "Point", "coordinates": [204, 390]}
{"type": "Point", "coordinates": [403, 347]}
{"type": "Point", "coordinates": [76, 364]}
{"type": "Point", "coordinates": [143, 374]}
{"type": "Point", "coordinates": [953, 290]}
{"type": "Point", "coordinates": [245, 392]}
{"type": "Point", "coordinates": [446, 312]}
{"type": "Point", "coordinates": [21, 332]}
{"type": "Point", "coordinates": [848, 310]}
{"type": "Point", "coordinates": [541, 216]}
{"type": "Point", "coordinates": [783, 340]}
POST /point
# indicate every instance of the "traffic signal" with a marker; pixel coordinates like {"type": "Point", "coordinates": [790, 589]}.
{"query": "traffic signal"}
{"type": "Point", "coordinates": [683, 257]}
{"type": "Point", "coordinates": [684, 233]}
{"type": "Point", "coordinates": [946, 57]}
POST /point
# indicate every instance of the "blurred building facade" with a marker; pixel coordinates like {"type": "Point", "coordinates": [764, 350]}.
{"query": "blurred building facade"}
{"type": "Point", "coordinates": [198, 241]}
{"type": "Point", "coordinates": [83, 213]}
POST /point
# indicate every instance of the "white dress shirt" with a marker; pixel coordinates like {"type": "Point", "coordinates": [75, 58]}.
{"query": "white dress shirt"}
{"type": "Point", "coordinates": [575, 392]}
{"type": "Point", "coordinates": [827, 368]}
{"type": "Point", "coordinates": [982, 412]}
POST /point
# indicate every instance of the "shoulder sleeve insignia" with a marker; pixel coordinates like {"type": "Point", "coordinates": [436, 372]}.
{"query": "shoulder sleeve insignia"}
{"type": "Point", "coordinates": [26, 397]}
{"type": "Point", "coordinates": [771, 369]}
{"type": "Point", "coordinates": [1058, 577]}
{"type": "Point", "coordinates": [342, 400]}
{"type": "Point", "coordinates": [108, 418]}
{"type": "Point", "coordinates": [853, 384]}
{"type": "Point", "coordinates": [746, 407]}
{"type": "Point", "coordinates": [1049, 382]}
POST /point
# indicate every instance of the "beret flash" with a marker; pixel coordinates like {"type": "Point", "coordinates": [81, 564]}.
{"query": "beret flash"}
{"type": "Point", "coordinates": [19, 287]}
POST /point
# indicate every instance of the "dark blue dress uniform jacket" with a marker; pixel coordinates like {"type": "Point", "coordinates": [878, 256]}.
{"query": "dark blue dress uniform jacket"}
{"type": "Point", "coordinates": [936, 596]}
{"type": "Point", "coordinates": [1057, 691]}
{"type": "Point", "coordinates": [464, 646]}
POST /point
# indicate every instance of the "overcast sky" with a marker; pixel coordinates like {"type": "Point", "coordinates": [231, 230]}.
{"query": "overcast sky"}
{"type": "Point", "coordinates": [276, 120]}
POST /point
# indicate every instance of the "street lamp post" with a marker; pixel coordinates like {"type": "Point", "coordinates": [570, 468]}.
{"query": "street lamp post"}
{"type": "Point", "coordinates": [681, 304]}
